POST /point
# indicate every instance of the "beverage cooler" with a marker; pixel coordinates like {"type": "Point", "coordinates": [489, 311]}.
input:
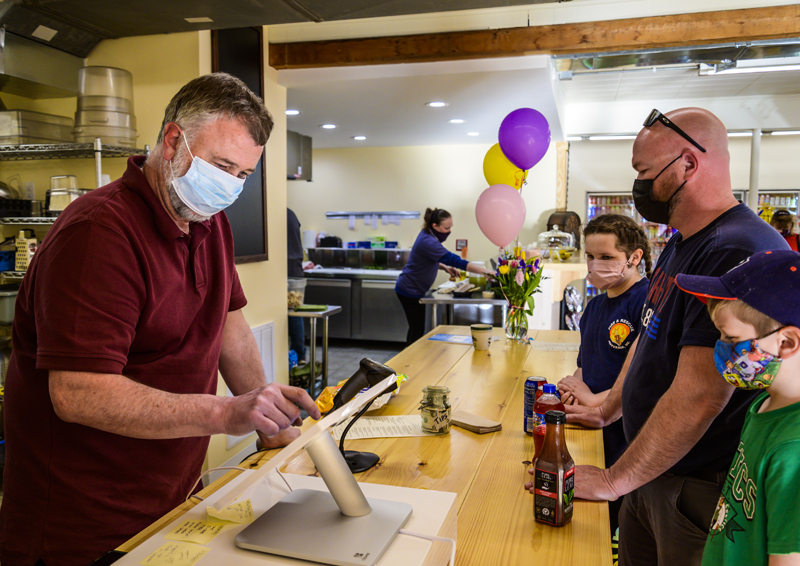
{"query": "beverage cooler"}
{"type": "Point", "coordinates": [770, 201]}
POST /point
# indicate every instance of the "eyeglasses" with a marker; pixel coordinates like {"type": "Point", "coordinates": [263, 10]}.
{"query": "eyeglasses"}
{"type": "Point", "coordinates": [656, 116]}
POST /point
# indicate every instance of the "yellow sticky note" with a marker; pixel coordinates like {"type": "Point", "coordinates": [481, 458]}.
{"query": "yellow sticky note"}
{"type": "Point", "coordinates": [241, 512]}
{"type": "Point", "coordinates": [201, 532]}
{"type": "Point", "coordinates": [175, 554]}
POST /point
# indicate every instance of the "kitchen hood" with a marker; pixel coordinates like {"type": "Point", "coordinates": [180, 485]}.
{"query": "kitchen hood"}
{"type": "Point", "coordinates": [41, 50]}
{"type": "Point", "coordinates": [36, 21]}
{"type": "Point", "coordinates": [33, 70]}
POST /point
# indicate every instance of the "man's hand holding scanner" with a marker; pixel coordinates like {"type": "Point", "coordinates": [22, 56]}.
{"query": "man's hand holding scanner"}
{"type": "Point", "coordinates": [267, 410]}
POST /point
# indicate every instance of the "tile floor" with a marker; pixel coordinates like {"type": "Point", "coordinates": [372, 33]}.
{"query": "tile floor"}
{"type": "Point", "coordinates": [345, 355]}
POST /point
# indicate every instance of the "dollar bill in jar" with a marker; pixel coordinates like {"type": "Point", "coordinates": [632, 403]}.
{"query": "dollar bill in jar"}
{"type": "Point", "coordinates": [435, 409]}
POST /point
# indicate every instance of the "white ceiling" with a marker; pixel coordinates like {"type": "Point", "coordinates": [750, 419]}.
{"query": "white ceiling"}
{"type": "Point", "coordinates": [387, 103]}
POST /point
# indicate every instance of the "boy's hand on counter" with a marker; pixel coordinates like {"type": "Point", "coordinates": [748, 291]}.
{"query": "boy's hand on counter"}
{"type": "Point", "coordinates": [574, 390]}
{"type": "Point", "coordinates": [268, 409]}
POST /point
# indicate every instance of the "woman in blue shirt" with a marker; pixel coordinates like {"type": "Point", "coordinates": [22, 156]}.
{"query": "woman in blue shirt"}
{"type": "Point", "coordinates": [427, 257]}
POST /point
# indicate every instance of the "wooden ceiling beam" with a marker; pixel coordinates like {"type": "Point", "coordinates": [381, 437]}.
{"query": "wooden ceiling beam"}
{"type": "Point", "coordinates": [704, 28]}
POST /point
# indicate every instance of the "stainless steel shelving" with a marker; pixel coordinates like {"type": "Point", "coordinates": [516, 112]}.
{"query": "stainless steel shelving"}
{"type": "Point", "coordinates": [94, 150]}
{"type": "Point", "coordinates": [64, 151]}
{"type": "Point", "coordinates": [12, 275]}
{"type": "Point", "coordinates": [27, 221]}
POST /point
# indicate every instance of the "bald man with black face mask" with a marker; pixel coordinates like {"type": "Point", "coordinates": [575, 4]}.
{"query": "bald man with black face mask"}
{"type": "Point", "coordinates": [681, 421]}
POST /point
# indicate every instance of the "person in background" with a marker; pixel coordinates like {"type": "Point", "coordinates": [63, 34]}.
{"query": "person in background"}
{"type": "Point", "coordinates": [681, 422]}
{"type": "Point", "coordinates": [615, 247]}
{"type": "Point", "coordinates": [783, 221]}
{"type": "Point", "coordinates": [428, 256]}
{"type": "Point", "coordinates": [756, 307]}
{"type": "Point", "coordinates": [129, 311]}
{"type": "Point", "coordinates": [294, 258]}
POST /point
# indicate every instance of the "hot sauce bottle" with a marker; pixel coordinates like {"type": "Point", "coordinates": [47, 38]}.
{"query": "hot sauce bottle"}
{"type": "Point", "coordinates": [554, 475]}
{"type": "Point", "coordinates": [548, 401]}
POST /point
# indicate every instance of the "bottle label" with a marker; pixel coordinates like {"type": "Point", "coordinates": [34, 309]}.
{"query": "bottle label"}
{"type": "Point", "coordinates": [553, 495]}
{"type": "Point", "coordinates": [539, 426]}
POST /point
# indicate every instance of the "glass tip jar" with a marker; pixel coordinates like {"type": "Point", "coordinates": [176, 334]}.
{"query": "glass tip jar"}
{"type": "Point", "coordinates": [435, 409]}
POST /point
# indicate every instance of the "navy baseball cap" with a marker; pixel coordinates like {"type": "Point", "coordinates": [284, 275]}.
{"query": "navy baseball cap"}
{"type": "Point", "coordinates": [767, 281]}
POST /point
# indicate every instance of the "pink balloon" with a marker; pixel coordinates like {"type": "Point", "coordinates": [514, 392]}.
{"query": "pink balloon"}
{"type": "Point", "coordinates": [500, 212]}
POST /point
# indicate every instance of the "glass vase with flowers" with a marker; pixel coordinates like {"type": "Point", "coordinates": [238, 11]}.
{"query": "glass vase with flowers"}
{"type": "Point", "coordinates": [518, 281]}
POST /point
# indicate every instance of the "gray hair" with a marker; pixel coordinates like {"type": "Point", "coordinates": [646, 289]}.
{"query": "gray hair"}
{"type": "Point", "coordinates": [218, 95]}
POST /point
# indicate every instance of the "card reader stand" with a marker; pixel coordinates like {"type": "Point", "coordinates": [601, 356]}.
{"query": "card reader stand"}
{"type": "Point", "coordinates": [342, 527]}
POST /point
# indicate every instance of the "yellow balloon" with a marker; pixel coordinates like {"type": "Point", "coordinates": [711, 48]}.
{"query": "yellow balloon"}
{"type": "Point", "coordinates": [498, 170]}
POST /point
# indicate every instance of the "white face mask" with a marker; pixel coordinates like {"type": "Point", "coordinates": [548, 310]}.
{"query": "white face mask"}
{"type": "Point", "coordinates": [206, 189]}
{"type": "Point", "coordinates": [606, 274]}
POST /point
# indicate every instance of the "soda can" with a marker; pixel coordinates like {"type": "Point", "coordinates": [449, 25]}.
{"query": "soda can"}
{"type": "Point", "coordinates": [532, 384]}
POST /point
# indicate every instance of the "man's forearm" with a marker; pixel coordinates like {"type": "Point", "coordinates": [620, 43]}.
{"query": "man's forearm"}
{"type": "Point", "coordinates": [671, 430]}
{"type": "Point", "coordinates": [661, 443]}
{"type": "Point", "coordinates": [116, 404]}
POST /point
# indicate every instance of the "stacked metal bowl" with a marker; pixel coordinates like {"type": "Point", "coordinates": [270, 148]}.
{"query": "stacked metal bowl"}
{"type": "Point", "coordinates": [105, 107]}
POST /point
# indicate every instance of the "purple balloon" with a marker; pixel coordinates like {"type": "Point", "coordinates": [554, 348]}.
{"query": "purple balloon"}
{"type": "Point", "coordinates": [524, 137]}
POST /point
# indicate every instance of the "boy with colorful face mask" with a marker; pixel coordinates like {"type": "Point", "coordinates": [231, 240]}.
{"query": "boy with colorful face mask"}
{"type": "Point", "coordinates": [755, 306]}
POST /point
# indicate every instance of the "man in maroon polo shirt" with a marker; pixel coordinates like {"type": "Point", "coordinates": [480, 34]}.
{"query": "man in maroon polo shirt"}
{"type": "Point", "coordinates": [128, 311]}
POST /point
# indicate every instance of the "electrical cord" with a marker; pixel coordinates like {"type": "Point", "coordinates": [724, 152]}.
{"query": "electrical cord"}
{"type": "Point", "coordinates": [208, 472]}
{"type": "Point", "coordinates": [254, 453]}
{"type": "Point", "coordinates": [434, 537]}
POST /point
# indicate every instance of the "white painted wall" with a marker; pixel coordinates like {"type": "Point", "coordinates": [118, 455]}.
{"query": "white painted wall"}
{"type": "Point", "coordinates": [413, 178]}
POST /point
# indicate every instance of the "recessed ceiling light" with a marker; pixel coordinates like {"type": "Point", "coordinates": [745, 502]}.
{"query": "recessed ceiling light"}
{"type": "Point", "coordinates": [574, 138]}
{"type": "Point", "coordinates": [44, 33]}
{"type": "Point", "coordinates": [436, 104]}
{"type": "Point", "coordinates": [328, 126]}
{"type": "Point", "coordinates": [456, 121]}
{"type": "Point", "coordinates": [359, 138]}
{"type": "Point", "coordinates": [203, 20]}
{"type": "Point", "coordinates": [292, 112]}
{"type": "Point", "coordinates": [473, 134]}
{"type": "Point", "coordinates": [739, 134]}
{"type": "Point", "coordinates": [786, 133]}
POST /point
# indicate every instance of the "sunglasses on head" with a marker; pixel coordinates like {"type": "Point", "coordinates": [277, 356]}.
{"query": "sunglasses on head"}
{"type": "Point", "coordinates": [656, 116]}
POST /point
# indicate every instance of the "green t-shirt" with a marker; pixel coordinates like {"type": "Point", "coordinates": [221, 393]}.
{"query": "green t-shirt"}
{"type": "Point", "coordinates": [757, 514]}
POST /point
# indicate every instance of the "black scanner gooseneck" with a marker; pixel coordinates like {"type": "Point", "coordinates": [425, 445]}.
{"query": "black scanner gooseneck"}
{"type": "Point", "coordinates": [369, 373]}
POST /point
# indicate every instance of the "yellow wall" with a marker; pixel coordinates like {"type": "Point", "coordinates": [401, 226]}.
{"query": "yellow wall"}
{"type": "Point", "coordinates": [413, 178]}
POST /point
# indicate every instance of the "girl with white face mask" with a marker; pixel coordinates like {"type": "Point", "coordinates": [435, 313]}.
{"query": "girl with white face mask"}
{"type": "Point", "coordinates": [615, 247]}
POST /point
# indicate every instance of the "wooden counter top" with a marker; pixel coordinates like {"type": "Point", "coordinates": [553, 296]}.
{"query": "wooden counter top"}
{"type": "Point", "coordinates": [495, 513]}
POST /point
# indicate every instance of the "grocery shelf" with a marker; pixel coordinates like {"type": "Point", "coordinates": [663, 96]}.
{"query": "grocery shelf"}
{"type": "Point", "coordinates": [64, 150]}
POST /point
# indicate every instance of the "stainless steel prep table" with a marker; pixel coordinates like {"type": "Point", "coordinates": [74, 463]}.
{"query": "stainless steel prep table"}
{"type": "Point", "coordinates": [312, 316]}
{"type": "Point", "coordinates": [449, 301]}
